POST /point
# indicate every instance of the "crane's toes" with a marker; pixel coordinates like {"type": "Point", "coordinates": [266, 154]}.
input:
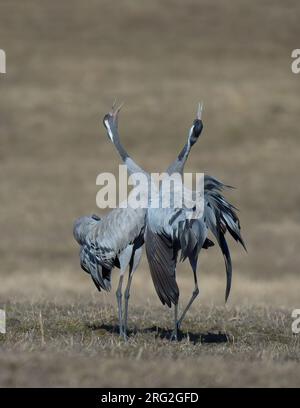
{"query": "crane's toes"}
{"type": "Point", "coordinates": [174, 335]}
{"type": "Point", "coordinates": [123, 334]}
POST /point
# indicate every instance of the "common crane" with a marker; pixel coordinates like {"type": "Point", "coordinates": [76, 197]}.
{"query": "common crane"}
{"type": "Point", "coordinates": [114, 240]}
{"type": "Point", "coordinates": [171, 230]}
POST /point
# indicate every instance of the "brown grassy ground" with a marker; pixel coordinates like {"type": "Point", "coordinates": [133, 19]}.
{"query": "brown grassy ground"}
{"type": "Point", "coordinates": [66, 62]}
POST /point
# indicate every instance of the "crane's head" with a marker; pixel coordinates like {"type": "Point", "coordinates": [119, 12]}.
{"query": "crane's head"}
{"type": "Point", "coordinates": [110, 122]}
{"type": "Point", "coordinates": [82, 226]}
{"type": "Point", "coordinates": [197, 127]}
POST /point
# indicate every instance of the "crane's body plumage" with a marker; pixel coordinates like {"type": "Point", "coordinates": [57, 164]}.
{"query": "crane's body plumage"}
{"type": "Point", "coordinates": [104, 240]}
{"type": "Point", "coordinates": [115, 240]}
{"type": "Point", "coordinates": [170, 231]}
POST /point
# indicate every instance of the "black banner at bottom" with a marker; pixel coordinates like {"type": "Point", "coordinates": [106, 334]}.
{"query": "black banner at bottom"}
{"type": "Point", "coordinates": [94, 397]}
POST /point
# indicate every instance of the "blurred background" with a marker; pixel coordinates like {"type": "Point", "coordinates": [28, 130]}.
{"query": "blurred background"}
{"type": "Point", "coordinates": [66, 63]}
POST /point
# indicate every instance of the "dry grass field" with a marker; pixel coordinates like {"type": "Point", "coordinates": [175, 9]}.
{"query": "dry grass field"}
{"type": "Point", "coordinates": [66, 62]}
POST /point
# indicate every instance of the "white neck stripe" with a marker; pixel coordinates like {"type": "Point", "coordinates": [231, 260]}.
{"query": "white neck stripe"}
{"type": "Point", "coordinates": [110, 134]}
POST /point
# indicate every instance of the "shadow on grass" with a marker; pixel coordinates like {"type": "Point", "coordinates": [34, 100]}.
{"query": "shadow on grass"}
{"type": "Point", "coordinates": [209, 337]}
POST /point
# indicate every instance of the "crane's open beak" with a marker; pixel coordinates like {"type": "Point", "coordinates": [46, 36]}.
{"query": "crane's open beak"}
{"type": "Point", "coordinates": [115, 111]}
{"type": "Point", "coordinates": [199, 110]}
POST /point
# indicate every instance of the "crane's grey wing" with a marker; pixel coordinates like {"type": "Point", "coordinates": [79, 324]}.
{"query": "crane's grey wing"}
{"type": "Point", "coordinates": [121, 227]}
{"type": "Point", "coordinates": [84, 233]}
{"type": "Point", "coordinates": [162, 262]}
{"type": "Point", "coordinates": [103, 240]}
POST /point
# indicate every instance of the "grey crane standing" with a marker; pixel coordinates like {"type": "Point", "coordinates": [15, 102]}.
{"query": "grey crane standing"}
{"type": "Point", "coordinates": [171, 230]}
{"type": "Point", "coordinates": [115, 240]}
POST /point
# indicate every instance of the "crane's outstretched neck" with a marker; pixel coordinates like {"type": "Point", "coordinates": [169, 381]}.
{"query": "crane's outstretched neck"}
{"type": "Point", "coordinates": [178, 165]}
{"type": "Point", "coordinates": [110, 122]}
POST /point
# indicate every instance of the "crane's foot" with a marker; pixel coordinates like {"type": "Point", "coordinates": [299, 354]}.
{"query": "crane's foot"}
{"type": "Point", "coordinates": [123, 334]}
{"type": "Point", "coordinates": [174, 334]}
{"type": "Point", "coordinates": [173, 337]}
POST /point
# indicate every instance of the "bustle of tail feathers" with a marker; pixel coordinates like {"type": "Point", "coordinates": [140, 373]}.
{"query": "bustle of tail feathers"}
{"type": "Point", "coordinates": [220, 216]}
{"type": "Point", "coordinates": [228, 219]}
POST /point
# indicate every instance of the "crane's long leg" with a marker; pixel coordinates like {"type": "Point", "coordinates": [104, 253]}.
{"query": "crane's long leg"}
{"type": "Point", "coordinates": [133, 264]}
{"type": "Point", "coordinates": [127, 295]}
{"type": "Point", "coordinates": [193, 297]}
{"type": "Point", "coordinates": [119, 300]}
{"type": "Point", "coordinates": [174, 335]}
